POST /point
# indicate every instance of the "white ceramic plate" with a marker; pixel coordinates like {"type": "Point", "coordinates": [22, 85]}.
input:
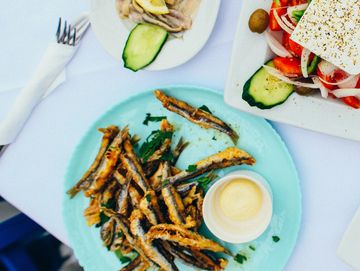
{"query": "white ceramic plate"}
{"type": "Point", "coordinates": [250, 51]}
{"type": "Point", "coordinates": [112, 32]}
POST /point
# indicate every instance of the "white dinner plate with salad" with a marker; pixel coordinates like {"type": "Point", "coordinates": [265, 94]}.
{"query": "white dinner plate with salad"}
{"type": "Point", "coordinates": [259, 79]}
{"type": "Point", "coordinates": [173, 48]}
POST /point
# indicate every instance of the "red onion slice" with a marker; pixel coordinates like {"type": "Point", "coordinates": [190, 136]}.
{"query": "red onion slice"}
{"type": "Point", "coordinates": [276, 46]}
{"type": "Point", "coordinates": [351, 83]}
{"type": "Point", "coordinates": [347, 79]}
{"type": "Point", "coordinates": [287, 22]}
{"type": "Point", "coordinates": [281, 23]}
{"type": "Point", "coordinates": [274, 72]}
{"type": "Point", "coordinates": [305, 54]}
{"type": "Point", "coordinates": [323, 90]}
{"type": "Point", "coordinates": [346, 92]}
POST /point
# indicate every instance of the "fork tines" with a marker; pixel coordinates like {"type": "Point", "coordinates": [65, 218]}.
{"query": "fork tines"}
{"type": "Point", "coordinates": [67, 34]}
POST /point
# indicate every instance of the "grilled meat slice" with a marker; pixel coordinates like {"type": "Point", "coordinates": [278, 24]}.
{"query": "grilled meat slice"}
{"type": "Point", "coordinates": [195, 115]}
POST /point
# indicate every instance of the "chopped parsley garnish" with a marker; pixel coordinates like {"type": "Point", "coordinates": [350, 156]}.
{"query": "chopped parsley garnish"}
{"type": "Point", "coordinates": [214, 138]}
{"type": "Point", "coordinates": [205, 108]}
{"type": "Point", "coordinates": [240, 258]}
{"type": "Point", "coordinates": [165, 182]}
{"type": "Point", "coordinates": [123, 259]}
{"type": "Point", "coordinates": [103, 219]}
{"type": "Point", "coordinates": [119, 234]}
{"type": "Point", "coordinates": [150, 118]}
{"type": "Point", "coordinates": [252, 247]}
{"type": "Point", "coordinates": [206, 180]}
{"type": "Point", "coordinates": [111, 204]}
{"type": "Point", "coordinates": [148, 197]}
{"type": "Point", "coordinates": [153, 142]}
{"type": "Point", "coordinates": [168, 156]}
{"type": "Point", "coordinates": [191, 168]}
{"type": "Point", "coordinates": [297, 14]}
{"type": "Point", "coordinates": [276, 238]}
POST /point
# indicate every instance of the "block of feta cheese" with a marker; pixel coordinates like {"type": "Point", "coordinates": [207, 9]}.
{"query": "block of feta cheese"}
{"type": "Point", "coordinates": [331, 29]}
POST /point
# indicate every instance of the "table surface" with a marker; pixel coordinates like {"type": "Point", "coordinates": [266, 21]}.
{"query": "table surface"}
{"type": "Point", "coordinates": [32, 169]}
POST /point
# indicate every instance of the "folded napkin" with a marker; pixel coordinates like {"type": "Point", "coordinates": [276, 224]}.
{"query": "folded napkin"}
{"type": "Point", "coordinates": [48, 75]}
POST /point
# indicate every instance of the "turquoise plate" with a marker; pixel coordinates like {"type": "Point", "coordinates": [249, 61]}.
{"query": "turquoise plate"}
{"type": "Point", "coordinates": [256, 136]}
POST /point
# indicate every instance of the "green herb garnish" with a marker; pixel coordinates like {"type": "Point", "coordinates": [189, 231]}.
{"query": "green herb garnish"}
{"type": "Point", "coordinates": [297, 14]}
{"type": "Point", "coordinates": [252, 247]}
{"type": "Point", "coordinates": [191, 168]}
{"type": "Point", "coordinates": [110, 204]}
{"type": "Point", "coordinates": [214, 138]}
{"type": "Point", "coordinates": [150, 118]}
{"type": "Point", "coordinates": [167, 156]}
{"type": "Point", "coordinates": [119, 234]}
{"type": "Point", "coordinates": [103, 219]}
{"type": "Point", "coordinates": [148, 197]}
{"type": "Point", "coordinates": [276, 238]}
{"type": "Point", "coordinates": [165, 182]}
{"type": "Point", "coordinates": [240, 258]}
{"type": "Point", "coordinates": [206, 180]}
{"type": "Point", "coordinates": [123, 259]}
{"type": "Point", "coordinates": [205, 108]}
{"type": "Point", "coordinates": [153, 142]}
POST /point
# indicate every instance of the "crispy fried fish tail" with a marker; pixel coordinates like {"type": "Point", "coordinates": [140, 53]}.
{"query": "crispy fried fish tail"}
{"type": "Point", "coordinates": [108, 135]}
{"type": "Point", "coordinates": [195, 115]}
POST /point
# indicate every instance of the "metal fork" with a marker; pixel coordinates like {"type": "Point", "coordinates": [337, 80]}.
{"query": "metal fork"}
{"type": "Point", "coordinates": [67, 34]}
{"type": "Point", "coordinates": [71, 35]}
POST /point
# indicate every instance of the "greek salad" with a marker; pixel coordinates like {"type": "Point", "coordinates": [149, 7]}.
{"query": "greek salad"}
{"type": "Point", "coordinates": [294, 68]}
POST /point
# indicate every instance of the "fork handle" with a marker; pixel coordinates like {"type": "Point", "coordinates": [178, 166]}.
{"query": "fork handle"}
{"type": "Point", "coordinates": [52, 64]}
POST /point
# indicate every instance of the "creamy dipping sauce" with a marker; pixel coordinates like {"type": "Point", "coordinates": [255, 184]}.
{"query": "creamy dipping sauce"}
{"type": "Point", "coordinates": [241, 199]}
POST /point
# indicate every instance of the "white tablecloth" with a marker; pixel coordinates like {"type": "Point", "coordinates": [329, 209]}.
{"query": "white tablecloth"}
{"type": "Point", "coordinates": [32, 169]}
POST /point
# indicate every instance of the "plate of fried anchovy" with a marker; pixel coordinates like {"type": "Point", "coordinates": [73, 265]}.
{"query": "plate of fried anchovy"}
{"type": "Point", "coordinates": [135, 185]}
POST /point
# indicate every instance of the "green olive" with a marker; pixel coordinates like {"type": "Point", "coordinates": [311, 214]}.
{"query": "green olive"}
{"type": "Point", "coordinates": [259, 21]}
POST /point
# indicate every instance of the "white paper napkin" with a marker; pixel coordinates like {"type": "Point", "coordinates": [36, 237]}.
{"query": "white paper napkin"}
{"type": "Point", "coordinates": [48, 75]}
{"type": "Point", "coordinates": [349, 247]}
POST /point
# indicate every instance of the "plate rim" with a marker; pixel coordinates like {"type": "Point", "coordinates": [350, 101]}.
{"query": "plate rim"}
{"type": "Point", "coordinates": [92, 127]}
{"type": "Point", "coordinates": [165, 67]}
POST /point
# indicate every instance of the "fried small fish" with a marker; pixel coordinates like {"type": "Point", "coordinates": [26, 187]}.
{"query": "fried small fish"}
{"type": "Point", "coordinates": [146, 245]}
{"type": "Point", "coordinates": [183, 237]}
{"type": "Point", "coordinates": [108, 164]}
{"type": "Point", "coordinates": [195, 115]}
{"type": "Point", "coordinates": [229, 157]}
{"type": "Point", "coordinates": [108, 135]}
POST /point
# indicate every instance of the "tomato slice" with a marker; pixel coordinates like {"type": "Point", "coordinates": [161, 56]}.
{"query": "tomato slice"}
{"type": "Point", "coordinates": [289, 66]}
{"type": "Point", "coordinates": [336, 76]}
{"type": "Point", "coordinates": [273, 24]}
{"type": "Point", "coordinates": [327, 78]}
{"type": "Point", "coordinates": [296, 2]}
{"type": "Point", "coordinates": [290, 45]}
{"type": "Point", "coordinates": [352, 101]}
{"type": "Point", "coordinates": [284, 3]}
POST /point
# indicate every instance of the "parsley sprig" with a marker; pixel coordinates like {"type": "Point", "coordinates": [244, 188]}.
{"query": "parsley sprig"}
{"type": "Point", "coordinates": [152, 143]}
{"type": "Point", "coordinates": [150, 118]}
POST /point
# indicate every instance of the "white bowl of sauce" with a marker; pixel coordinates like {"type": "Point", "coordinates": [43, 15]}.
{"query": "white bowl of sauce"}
{"type": "Point", "coordinates": [238, 207]}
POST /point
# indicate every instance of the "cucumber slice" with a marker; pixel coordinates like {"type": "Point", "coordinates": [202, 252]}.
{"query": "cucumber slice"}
{"type": "Point", "coordinates": [266, 91]}
{"type": "Point", "coordinates": [143, 45]}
